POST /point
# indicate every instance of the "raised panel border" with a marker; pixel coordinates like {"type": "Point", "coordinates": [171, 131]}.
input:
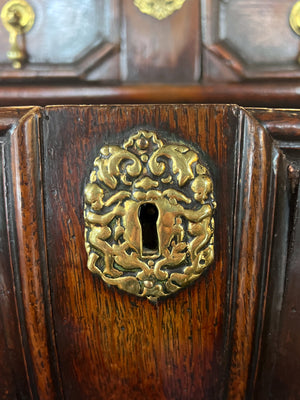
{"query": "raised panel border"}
{"type": "Point", "coordinates": [29, 283]}
{"type": "Point", "coordinates": [221, 62]}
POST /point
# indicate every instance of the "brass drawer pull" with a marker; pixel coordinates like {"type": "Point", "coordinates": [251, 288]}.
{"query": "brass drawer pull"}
{"type": "Point", "coordinates": [18, 18]}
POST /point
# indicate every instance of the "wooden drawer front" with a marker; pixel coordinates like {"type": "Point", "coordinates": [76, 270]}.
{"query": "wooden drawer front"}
{"type": "Point", "coordinates": [74, 336]}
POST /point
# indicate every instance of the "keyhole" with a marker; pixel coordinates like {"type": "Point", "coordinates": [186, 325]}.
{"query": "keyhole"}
{"type": "Point", "coordinates": [148, 214]}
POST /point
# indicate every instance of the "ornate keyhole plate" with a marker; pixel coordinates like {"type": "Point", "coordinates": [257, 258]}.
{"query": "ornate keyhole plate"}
{"type": "Point", "coordinates": [149, 226]}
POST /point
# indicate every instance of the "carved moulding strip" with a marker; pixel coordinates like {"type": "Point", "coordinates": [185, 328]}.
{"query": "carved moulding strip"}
{"type": "Point", "coordinates": [158, 9]}
{"type": "Point", "coordinates": [31, 268]}
{"type": "Point", "coordinates": [149, 226]}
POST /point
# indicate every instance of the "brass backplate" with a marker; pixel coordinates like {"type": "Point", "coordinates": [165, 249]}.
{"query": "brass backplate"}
{"type": "Point", "coordinates": [159, 9]}
{"type": "Point", "coordinates": [149, 206]}
{"type": "Point", "coordinates": [17, 16]}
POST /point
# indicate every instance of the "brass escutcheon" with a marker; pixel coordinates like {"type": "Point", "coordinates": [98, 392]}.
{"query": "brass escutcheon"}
{"type": "Point", "coordinates": [158, 9]}
{"type": "Point", "coordinates": [149, 206]}
{"type": "Point", "coordinates": [18, 18]}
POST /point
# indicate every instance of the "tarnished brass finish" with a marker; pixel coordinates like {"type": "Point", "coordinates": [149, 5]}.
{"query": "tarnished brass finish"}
{"type": "Point", "coordinates": [159, 9]}
{"type": "Point", "coordinates": [149, 206]}
{"type": "Point", "coordinates": [18, 18]}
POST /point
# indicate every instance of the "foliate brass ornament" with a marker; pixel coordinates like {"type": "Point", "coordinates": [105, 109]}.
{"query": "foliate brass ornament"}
{"type": "Point", "coordinates": [159, 9]}
{"type": "Point", "coordinates": [149, 226]}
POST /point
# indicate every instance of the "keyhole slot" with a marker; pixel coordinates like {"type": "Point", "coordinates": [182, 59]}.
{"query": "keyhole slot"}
{"type": "Point", "coordinates": [148, 214]}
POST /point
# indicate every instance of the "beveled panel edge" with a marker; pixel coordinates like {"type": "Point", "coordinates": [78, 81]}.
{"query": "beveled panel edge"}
{"type": "Point", "coordinates": [34, 293]}
{"type": "Point", "coordinates": [11, 315]}
{"type": "Point", "coordinates": [256, 186]}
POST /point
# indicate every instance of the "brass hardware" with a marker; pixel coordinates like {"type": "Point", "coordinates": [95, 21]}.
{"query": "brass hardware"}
{"type": "Point", "coordinates": [18, 18]}
{"type": "Point", "coordinates": [159, 9]}
{"type": "Point", "coordinates": [149, 226]}
{"type": "Point", "coordinates": [295, 18]}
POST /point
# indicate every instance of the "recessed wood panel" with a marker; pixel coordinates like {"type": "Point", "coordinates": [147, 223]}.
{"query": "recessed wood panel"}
{"type": "Point", "coordinates": [249, 40]}
{"type": "Point", "coordinates": [180, 348]}
{"type": "Point", "coordinates": [68, 40]}
{"type": "Point", "coordinates": [165, 50]}
{"type": "Point", "coordinates": [163, 351]}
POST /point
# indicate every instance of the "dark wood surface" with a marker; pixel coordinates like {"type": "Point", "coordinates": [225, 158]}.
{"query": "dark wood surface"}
{"type": "Point", "coordinates": [209, 51]}
{"type": "Point", "coordinates": [280, 342]}
{"type": "Point", "coordinates": [66, 334]}
{"type": "Point", "coordinates": [207, 41]}
{"type": "Point", "coordinates": [13, 382]}
{"type": "Point", "coordinates": [259, 94]}
{"type": "Point", "coordinates": [130, 347]}
{"type": "Point", "coordinates": [168, 50]}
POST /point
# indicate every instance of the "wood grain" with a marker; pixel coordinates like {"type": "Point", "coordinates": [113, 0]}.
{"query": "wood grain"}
{"type": "Point", "coordinates": [286, 379]}
{"type": "Point", "coordinates": [253, 229]}
{"type": "Point", "coordinates": [260, 94]}
{"type": "Point", "coordinates": [34, 293]}
{"type": "Point", "coordinates": [14, 380]}
{"type": "Point", "coordinates": [146, 344]}
{"type": "Point", "coordinates": [66, 334]}
{"type": "Point", "coordinates": [130, 347]}
{"type": "Point", "coordinates": [168, 50]}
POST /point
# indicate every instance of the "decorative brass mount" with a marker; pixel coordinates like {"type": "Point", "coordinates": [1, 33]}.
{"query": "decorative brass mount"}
{"type": "Point", "coordinates": [18, 18]}
{"type": "Point", "coordinates": [149, 226]}
{"type": "Point", "coordinates": [295, 22]}
{"type": "Point", "coordinates": [295, 18]}
{"type": "Point", "coordinates": [159, 9]}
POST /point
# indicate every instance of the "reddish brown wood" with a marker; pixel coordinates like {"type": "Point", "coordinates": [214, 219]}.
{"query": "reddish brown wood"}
{"type": "Point", "coordinates": [172, 350]}
{"type": "Point", "coordinates": [257, 180]}
{"type": "Point", "coordinates": [34, 295]}
{"type": "Point", "coordinates": [225, 337]}
{"type": "Point", "coordinates": [283, 125]}
{"type": "Point", "coordinates": [287, 367]}
{"type": "Point", "coordinates": [171, 360]}
{"type": "Point", "coordinates": [14, 380]}
{"type": "Point", "coordinates": [161, 51]}
{"type": "Point", "coordinates": [282, 94]}
{"type": "Point", "coordinates": [9, 117]}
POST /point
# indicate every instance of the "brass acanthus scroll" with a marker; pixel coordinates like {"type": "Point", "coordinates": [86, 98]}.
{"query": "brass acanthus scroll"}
{"type": "Point", "coordinates": [149, 226]}
{"type": "Point", "coordinates": [159, 9]}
